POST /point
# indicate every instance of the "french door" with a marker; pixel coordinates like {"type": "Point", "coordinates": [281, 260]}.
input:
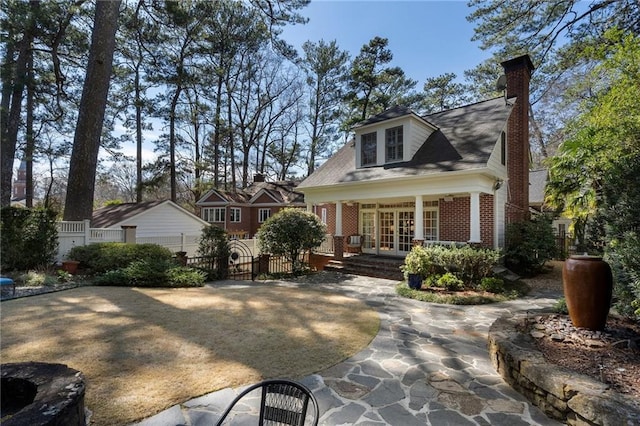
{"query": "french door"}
{"type": "Point", "coordinates": [392, 229]}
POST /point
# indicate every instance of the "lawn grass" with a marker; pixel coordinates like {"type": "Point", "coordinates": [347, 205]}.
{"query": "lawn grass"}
{"type": "Point", "coordinates": [144, 350]}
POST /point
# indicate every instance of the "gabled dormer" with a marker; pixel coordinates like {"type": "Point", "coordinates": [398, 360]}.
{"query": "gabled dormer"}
{"type": "Point", "coordinates": [392, 136]}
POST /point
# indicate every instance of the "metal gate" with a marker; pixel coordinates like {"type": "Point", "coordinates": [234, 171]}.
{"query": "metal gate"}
{"type": "Point", "coordinates": [242, 264]}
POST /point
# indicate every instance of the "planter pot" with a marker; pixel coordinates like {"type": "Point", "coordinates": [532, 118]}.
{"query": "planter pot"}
{"type": "Point", "coordinates": [70, 266]}
{"type": "Point", "coordinates": [588, 286]}
{"type": "Point", "coordinates": [415, 281]}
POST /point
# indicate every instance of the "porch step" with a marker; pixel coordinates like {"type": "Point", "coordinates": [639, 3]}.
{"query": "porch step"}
{"type": "Point", "coordinates": [368, 266]}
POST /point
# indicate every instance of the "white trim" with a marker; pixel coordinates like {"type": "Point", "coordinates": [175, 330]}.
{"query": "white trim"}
{"type": "Point", "coordinates": [259, 194]}
{"type": "Point", "coordinates": [419, 219]}
{"type": "Point", "coordinates": [474, 207]}
{"type": "Point", "coordinates": [260, 211]}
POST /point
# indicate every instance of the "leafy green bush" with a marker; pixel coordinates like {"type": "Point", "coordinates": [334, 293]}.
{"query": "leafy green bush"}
{"type": "Point", "coordinates": [214, 246]}
{"type": "Point", "coordinates": [561, 306]}
{"type": "Point", "coordinates": [290, 232]}
{"type": "Point", "coordinates": [28, 238]}
{"type": "Point", "coordinates": [468, 264]}
{"type": "Point", "coordinates": [492, 285]}
{"type": "Point", "coordinates": [450, 282]}
{"type": "Point", "coordinates": [117, 277]}
{"type": "Point", "coordinates": [529, 245]}
{"type": "Point", "coordinates": [621, 204]}
{"type": "Point", "coordinates": [102, 257]}
{"type": "Point", "coordinates": [152, 273]}
{"type": "Point", "coordinates": [35, 279]}
{"type": "Point", "coordinates": [182, 276]}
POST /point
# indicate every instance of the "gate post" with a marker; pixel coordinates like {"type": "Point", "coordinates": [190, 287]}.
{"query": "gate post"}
{"type": "Point", "coordinates": [263, 263]}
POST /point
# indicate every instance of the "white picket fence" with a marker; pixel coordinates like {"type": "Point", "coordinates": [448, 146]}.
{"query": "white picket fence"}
{"type": "Point", "coordinates": [79, 233]}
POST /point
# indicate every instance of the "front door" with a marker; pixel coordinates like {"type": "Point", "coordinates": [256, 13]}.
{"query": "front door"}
{"type": "Point", "coordinates": [396, 232]}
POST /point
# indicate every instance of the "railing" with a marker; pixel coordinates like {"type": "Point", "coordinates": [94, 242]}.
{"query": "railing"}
{"type": "Point", "coordinates": [326, 246]}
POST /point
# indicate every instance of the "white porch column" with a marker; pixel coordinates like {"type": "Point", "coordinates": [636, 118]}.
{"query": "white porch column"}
{"type": "Point", "coordinates": [339, 218]}
{"type": "Point", "coordinates": [418, 220]}
{"type": "Point", "coordinates": [475, 218]}
{"type": "Point", "coordinates": [310, 207]}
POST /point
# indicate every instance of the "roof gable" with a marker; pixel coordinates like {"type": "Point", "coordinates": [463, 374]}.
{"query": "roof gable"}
{"type": "Point", "coordinates": [392, 113]}
{"type": "Point", "coordinates": [465, 139]}
{"type": "Point", "coordinates": [110, 216]}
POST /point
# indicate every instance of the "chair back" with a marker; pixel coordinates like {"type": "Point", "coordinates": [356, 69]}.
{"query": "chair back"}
{"type": "Point", "coordinates": [282, 402]}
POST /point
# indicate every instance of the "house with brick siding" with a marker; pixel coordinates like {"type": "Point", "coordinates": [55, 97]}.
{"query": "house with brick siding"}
{"type": "Point", "coordinates": [458, 175]}
{"type": "Point", "coordinates": [242, 211]}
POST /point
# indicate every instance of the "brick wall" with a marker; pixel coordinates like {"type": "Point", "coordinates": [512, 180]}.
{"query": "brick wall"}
{"type": "Point", "coordinates": [518, 72]}
{"type": "Point", "coordinates": [455, 219]}
{"type": "Point", "coordinates": [486, 220]}
{"type": "Point", "coordinates": [349, 218]}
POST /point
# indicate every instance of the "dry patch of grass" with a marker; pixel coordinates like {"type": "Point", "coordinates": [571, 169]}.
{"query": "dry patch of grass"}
{"type": "Point", "coordinates": [143, 350]}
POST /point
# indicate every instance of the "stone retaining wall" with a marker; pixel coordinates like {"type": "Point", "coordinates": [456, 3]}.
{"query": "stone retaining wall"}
{"type": "Point", "coordinates": [563, 395]}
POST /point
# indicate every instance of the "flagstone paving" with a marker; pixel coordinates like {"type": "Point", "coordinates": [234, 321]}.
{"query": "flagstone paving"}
{"type": "Point", "coordinates": [428, 365]}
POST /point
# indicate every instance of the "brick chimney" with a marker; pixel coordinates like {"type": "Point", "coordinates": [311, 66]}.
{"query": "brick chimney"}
{"type": "Point", "coordinates": [518, 72]}
{"type": "Point", "coordinates": [258, 177]}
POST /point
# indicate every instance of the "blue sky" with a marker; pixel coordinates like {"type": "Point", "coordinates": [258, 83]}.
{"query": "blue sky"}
{"type": "Point", "coordinates": [427, 38]}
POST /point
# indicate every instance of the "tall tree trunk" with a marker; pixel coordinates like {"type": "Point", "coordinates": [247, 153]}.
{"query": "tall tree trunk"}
{"type": "Point", "coordinates": [216, 135]}
{"type": "Point", "coordinates": [30, 138]}
{"type": "Point", "coordinates": [172, 143]}
{"type": "Point", "coordinates": [86, 141]}
{"type": "Point", "coordinates": [14, 79]}
{"type": "Point", "coordinates": [138, 136]}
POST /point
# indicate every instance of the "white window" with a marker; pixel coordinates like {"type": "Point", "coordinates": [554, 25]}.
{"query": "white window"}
{"type": "Point", "coordinates": [368, 149]}
{"type": "Point", "coordinates": [430, 220]}
{"type": "Point", "coordinates": [214, 214]}
{"type": "Point", "coordinates": [323, 215]}
{"type": "Point", "coordinates": [393, 145]}
{"type": "Point", "coordinates": [234, 215]}
{"type": "Point", "coordinates": [263, 215]}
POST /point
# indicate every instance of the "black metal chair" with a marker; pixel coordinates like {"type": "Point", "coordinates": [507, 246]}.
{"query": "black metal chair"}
{"type": "Point", "coordinates": [282, 402]}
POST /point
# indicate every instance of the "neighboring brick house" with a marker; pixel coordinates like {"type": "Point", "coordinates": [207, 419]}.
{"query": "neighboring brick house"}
{"type": "Point", "coordinates": [241, 212]}
{"type": "Point", "coordinates": [459, 175]}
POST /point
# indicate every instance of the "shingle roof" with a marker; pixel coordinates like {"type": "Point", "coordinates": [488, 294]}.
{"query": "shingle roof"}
{"type": "Point", "coordinates": [393, 112]}
{"type": "Point", "coordinates": [282, 192]}
{"type": "Point", "coordinates": [111, 215]}
{"type": "Point", "coordinates": [464, 140]}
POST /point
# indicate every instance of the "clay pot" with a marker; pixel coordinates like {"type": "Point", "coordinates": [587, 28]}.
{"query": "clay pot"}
{"type": "Point", "coordinates": [588, 286]}
{"type": "Point", "coordinates": [70, 266]}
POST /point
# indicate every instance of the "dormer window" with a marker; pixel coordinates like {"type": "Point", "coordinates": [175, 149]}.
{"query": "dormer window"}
{"type": "Point", "coordinates": [394, 144]}
{"type": "Point", "coordinates": [369, 147]}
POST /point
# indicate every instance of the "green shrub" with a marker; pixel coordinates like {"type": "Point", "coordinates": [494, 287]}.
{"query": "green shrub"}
{"type": "Point", "coordinates": [432, 280]}
{"type": "Point", "coordinates": [492, 285]}
{"type": "Point", "coordinates": [28, 238]}
{"type": "Point", "coordinates": [214, 245]}
{"type": "Point", "coordinates": [102, 257]}
{"type": "Point", "coordinates": [182, 276]}
{"type": "Point", "coordinates": [116, 277]}
{"type": "Point", "coordinates": [561, 306]}
{"type": "Point", "coordinates": [529, 245]}
{"type": "Point", "coordinates": [152, 273]}
{"type": "Point", "coordinates": [450, 282]}
{"type": "Point", "coordinates": [35, 279]}
{"type": "Point", "coordinates": [289, 233]}
{"type": "Point", "coordinates": [467, 263]}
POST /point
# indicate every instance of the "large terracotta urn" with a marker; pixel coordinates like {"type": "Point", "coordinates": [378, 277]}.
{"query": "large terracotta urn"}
{"type": "Point", "coordinates": [588, 286]}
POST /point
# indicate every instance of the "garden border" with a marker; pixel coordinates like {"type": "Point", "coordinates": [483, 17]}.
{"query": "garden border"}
{"type": "Point", "coordinates": [561, 394]}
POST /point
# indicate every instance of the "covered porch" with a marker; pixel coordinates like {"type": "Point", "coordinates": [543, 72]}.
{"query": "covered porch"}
{"type": "Point", "coordinates": [392, 226]}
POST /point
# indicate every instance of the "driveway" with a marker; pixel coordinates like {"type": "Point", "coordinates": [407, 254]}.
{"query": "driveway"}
{"type": "Point", "coordinates": [428, 365]}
